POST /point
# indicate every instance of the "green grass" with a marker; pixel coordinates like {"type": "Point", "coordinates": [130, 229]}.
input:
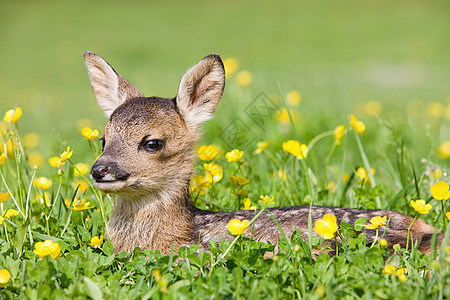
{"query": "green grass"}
{"type": "Point", "coordinates": [338, 55]}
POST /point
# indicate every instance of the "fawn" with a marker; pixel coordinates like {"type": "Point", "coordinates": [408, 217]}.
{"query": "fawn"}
{"type": "Point", "coordinates": [148, 160]}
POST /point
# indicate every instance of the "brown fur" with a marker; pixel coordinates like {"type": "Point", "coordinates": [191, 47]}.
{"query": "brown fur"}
{"type": "Point", "coordinates": [153, 208]}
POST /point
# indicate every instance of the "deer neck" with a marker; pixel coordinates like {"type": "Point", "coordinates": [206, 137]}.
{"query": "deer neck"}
{"type": "Point", "coordinates": [156, 221]}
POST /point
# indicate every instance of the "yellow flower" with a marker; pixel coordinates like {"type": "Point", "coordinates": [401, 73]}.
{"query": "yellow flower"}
{"type": "Point", "coordinates": [198, 185]}
{"type": "Point", "coordinates": [10, 148]}
{"type": "Point", "coordinates": [248, 204]}
{"type": "Point", "coordinates": [31, 140]}
{"type": "Point", "coordinates": [339, 133]}
{"type": "Point", "coordinates": [234, 155]}
{"type": "Point", "coordinates": [43, 198]}
{"type": "Point", "coordinates": [261, 146]}
{"type": "Point", "coordinates": [283, 115]}
{"type": "Point", "coordinates": [440, 190]}
{"type": "Point", "coordinates": [11, 213]}
{"type": "Point", "coordinates": [295, 148]}
{"type": "Point", "coordinates": [231, 65]}
{"type": "Point", "coordinates": [373, 108]}
{"type": "Point", "coordinates": [81, 184]}
{"type": "Point", "coordinates": [4, 196]}
{"type": "Point", "coordinates": [331, 186]}
{"type": "Point", "coordinates": [389, 269]}
{"type": "Point", "coordinates": [266, 200]}
{"type": "Point", "coordinates": [244, 78]}
{"type": "Point", "coordinates": [447, 214]}
{"type": "Point", "coordinates": [1, 220]}
{"type": "Point", "coordinates": [376, 222]}
{"type": "Point", "coordinates": [237, 227]}
{"type": "Point", "coordinates": [65, 155]}
{"type": "Point", "coordinates": [35, 159]}
{"type": "Point", "coordinates": [81, 205]}
{"type": "Point", "coordinates": [421, 207]}
{"type": "Point", "coordinates": [293, 98]}
{"type": "Point", "coordinates": [207, 152]}
{"type": "Point", "coordinates": [402, 277]}
{"type": "Point", "coordinates": [383, 243]}
{"type": "Point", "coordinates": [54, 161]}
{"type": "Point", "coordinates": [81, 169]}
{"type": "Point", "coordinates": [327, 227]}
{"type": "Point", "coordinates": [162, 282]}
{"type": "Point", "coordinates": [358, 126]}
{"type": "Point", "coordinates": [444, 150]}
{"type": "Point", "coordinates": [89, 134]}
{"type": "Point", "coordinates": [2, 158]}
{"type": "Point", "coordinates": [239, 180]}
{"type": "Point", "coordinates": [96, 242]}
{"type": "Point", "coordinates": [42, 183]}
{"type": "Point", "coordinates": [47, 247]}
{"type": "Point", "coordinates": [13, 115]}
{"type": "Point", "coordinates": [214, 172]}
{"type": "Point", "coordinates": [364, 175]}
{"type": "Point", "coordinates": [436, 109]}
{"type": "Point", "coordinates": [5, 276]}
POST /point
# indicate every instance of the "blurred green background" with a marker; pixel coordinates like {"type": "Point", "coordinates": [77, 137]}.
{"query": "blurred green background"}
{"type": "Point", "coordinates": [338, 54]}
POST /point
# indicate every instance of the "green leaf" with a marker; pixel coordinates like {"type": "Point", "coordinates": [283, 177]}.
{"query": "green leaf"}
{"type": "Point", "coordinates": [108, 248]}
{"type": "Point", "coordinates": [20, 235]}
{"type": "Point", "coordinates": [359, 224]}
{"type": "Point", "coordinates": [84, 233]}
{"type": "Point", "coordinates": [93, 289]}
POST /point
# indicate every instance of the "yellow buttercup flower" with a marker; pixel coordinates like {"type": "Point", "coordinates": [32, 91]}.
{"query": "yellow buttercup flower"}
{"type": "Point", "coordinates": [373, 108]}
{"type": "Point", "coordinates": [266, 200]}
{"type": "Point", "coordinates": [2, 158]}
{"type": "Point", "coordinates": [363, 175]}
{"type": "Point", "coordinates": [234, 155]}
{"type": "Point", "coordinates": [237, 227]}
{"type": "Point", "coordinates": [283, 115]}
{"type": "Point", "coordinates": [30, 140]}
{"type": "Point", "coordinates": [81, 205]}
{"type": "Point", "coordinates": [96, 242]}
{"type": "Point", "coordinates": [444, 150]}
{"type": "Point", "coordinates": [293, 98]}
{"type": "Point", "coordinates": [199, 184]}
{"type": "Point", "coordinates": [11, 213]}
{"type": "Point", "coordinates": [81, 169]}
{"type": "Point", "coordinates": [43, 199]}
{"type": "Point", "coordinates": [326, 227]}
{"type": "Point", "coordinates": [42, 183]}
{"type": "Point", "coordinates": [244, 78]}
{"type": "Point", "coordinates": [47, 247]}
{"type": "Point", "coordinates": [447, 214]}
{"type": "Point", "coordinates": [162, 282]}
{"type": "Point", "coordinates": [231, 65]}
{"type": "Point", "coordinates": [421, 206]}
{"type": "Point", "coordinates": [239, 180]}
{"type": "Point", "coordinates": [13, 115]}
{"type": "Point", "coordinates": [383, 243]}
{"type": "Point", "coordinates": [1, 220]}
{"type": "Point", "coordinates": [10, 150]}
{"type": "Point", "coordinates": [358, 126]}
{"type": "Point", "coordinates": [89, 134]}
{"type": "Point", "coordinates": [35, 159]}
{"type": "Point", "coordinates": [440, 190]}
{"type": "Point", "coordinates": [81, 184]}
{"type": "Point", "coordinates": [376, 222]}
{"type": "Point", "coordinates": [54, 161]}
{"type": "Point", "coordinates": [207, 152]}
{"type": "Point", "coordinates": [214, 172]}
{"type": "Point", "coordinates": [248, 204]}
{"type": "Point", "coordinates": [4, 196]}
{"type": "Point", "coordinates": [389, 269]}
{"type": "Point", "coordinates": [261, 146]}
{"type": "Point", "coordinates": [339, 133]}
{"type": "Point", "coordinates": [5, 276]}
{"type": "Point", "coordinates": [65, 155]}
{"type": "Point", "coordinates": [295, 148]}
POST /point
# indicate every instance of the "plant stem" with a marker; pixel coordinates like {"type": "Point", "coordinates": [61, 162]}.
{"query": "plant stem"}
{"type": "Point", "coordinates": [409, 230]}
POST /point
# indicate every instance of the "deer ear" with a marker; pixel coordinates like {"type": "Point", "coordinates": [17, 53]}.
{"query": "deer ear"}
{"type": "Point", "coordinates": [110, 88]}
{"type": "Point", "coordinates": [200, 91]}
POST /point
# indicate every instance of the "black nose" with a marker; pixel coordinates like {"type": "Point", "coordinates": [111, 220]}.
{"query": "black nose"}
{"type": "Point", "coordinates": [99, 171]}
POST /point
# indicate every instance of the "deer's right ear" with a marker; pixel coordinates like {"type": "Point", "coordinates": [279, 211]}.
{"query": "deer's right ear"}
{"type": "Point", "coordinates": [110, 88]}
{"type": "Point", "coordinates": [200, 91]}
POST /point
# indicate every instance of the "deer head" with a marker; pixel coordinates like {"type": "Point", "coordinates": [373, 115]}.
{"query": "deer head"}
{"type": "Point", "coordinates": [148, 141]}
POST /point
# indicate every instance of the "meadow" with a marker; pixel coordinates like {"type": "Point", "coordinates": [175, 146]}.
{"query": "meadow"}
{"type": "Point", "coordinates": [296, 71]}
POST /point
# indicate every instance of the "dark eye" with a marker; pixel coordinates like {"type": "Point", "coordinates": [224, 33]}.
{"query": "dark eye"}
{"type": "Point", "coordinates": [153, 145]}
{"type": "Point", "coordinates": [103, 143]}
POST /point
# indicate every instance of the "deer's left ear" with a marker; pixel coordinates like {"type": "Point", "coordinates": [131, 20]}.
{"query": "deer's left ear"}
{"type": "Point", "coordinates": [200, 91]}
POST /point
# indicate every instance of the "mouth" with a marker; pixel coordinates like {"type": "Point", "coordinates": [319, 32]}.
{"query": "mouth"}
{"type": "Point", "coordinates": [111, 186]}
